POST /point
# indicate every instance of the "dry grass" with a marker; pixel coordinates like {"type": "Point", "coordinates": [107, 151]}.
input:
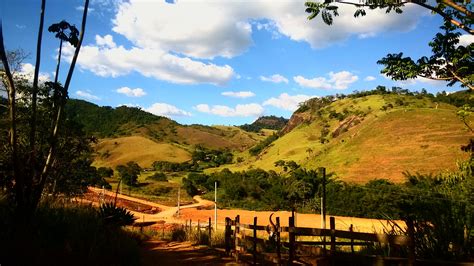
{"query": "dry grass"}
{"type": "Point", "coordinates": [139, 149]}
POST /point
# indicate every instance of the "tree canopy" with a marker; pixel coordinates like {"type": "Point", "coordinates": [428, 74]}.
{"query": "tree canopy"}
{"type": "Point", "coordinates": [457, 12]}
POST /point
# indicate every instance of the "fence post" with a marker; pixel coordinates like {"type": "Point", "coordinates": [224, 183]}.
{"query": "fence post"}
{"type": "Point", "coordinates": [210, 229]}
{"type": "Point", "coordinates": [236, 237]}
{"type": "Point", "coordinates": [351, 229]}
{"type": "Point", "coordinates": [278, 240]}
{"type": "Point", "coordinates": [411, 242]}
{"type": "Point", "coordinates": [291, 225]}
{"type": "Point", "coordinates": [332, 224]}
{"type": "Point", "coordinates": [255, 240]}
{"type": "Point", "coordinates": [227, 234]}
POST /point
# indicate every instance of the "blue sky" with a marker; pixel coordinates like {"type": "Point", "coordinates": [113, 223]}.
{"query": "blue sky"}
{"type": "Point", "coordinates": [219, 62]}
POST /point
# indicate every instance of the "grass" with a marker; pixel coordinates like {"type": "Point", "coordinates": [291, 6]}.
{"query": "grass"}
{"type": "Point", "coordinates": [416, 137]}
{"type": "Point", "coordinates": [113, 152]}
{"type": "Point", "coordinates": [165, 193]}
{"type": "Point", "coordinates": [63, 233]}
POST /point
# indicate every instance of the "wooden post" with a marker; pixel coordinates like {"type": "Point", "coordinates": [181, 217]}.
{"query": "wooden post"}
{"type": "Point", "coordinates": [278, 247]}
{"type": "Point", "coordinates": [236, 237]}
{"type": "Point", "coordinates": [351, 229]}
{"type": "Point", "coordinates": [215, 206]}
{"type": "Point", "coordinates": [323, 206]}
{"type": "Point", "coordinates": [179, 200]}
{"type": "Point", "coordinates": [210, 229]}
{"type": "Point", "coordinates": [291, 225]}
{"type": "Point", "coordinates": [254, 240]}
{"type": "Point", "coordinates": [227, 235]}
{"type": "Point", "coordinates": [411, 242]}
{"type": "Point", "coordinates": [199, 226]}
{"type": "Point", "coordinates": [332, 223]}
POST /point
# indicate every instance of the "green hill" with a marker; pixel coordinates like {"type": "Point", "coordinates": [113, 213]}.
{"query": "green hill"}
{"type": "Point", "coordinates": [265, 122]}
{"type": "Point", "coordinates": [131, 134]}
{"type": "Point", "coordinates": [364, 137]}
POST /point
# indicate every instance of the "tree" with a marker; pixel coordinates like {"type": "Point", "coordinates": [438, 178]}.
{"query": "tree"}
{"type": "Point", "coordinates": [450, 62]}
{"type": "Point", "coordinates": [129, 173]}
{"type": "Point", "coordinates": [32, 152]}
{"type": "Point", "coordinates": [457, 12]}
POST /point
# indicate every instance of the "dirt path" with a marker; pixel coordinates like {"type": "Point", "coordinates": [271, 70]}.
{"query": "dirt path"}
{"type": "Point", "coordinates": [181, 253]}
{"type": "Point", "coordinates": [197, 212]}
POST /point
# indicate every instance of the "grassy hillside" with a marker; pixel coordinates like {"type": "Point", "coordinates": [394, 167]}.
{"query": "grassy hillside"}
{"type": "Point", "coordinates": [145, 138]}
{"type": "Point", "coordinates": [376, 136]}
{"type": "Point", "coordinates": [114, 151]}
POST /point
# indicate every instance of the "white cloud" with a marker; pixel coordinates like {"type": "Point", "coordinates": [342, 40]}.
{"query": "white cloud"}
{"type": "Point", "coordinates": [243, 110]}
{"type": "Point", "coordinates": [169, 38]}
{"type": "Point", "coordinates": [238, 94]}
{"type": "Point", "coordinates": [206, 29]}
{"type": "Point", "coordinates": [168, 110]}
{"type": "Point", "coordinates": [287, 102]}
{"type": "Point", "coordinates": [87, 95]}
{"type": "Point", "coordinates": [106, 41]}
{"type": "Point", "coordinates": [276, 78]}
{"type": "Point", "coordinates": [370, 78]}
{"type": "Point", "coordinates": [28, 71]}
{"type": "Point", "coordinates": [466, 39]}
{"type": "Point", "coordinates": [339, 81]}
{"type": "Point", "coordinates": [118, 61]}
{"type": "Point", "coordinates": [138, 92]}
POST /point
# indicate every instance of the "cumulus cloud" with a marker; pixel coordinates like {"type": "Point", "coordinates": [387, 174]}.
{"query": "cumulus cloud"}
{"type": "Point", "coordinates": [107, 41]}
{"type": "Point", "coordinates": [224, 28]}
{"type": "Point", "coordinates": [276, 78]}
{"type": "Point", "coordinates": [166, 46]}
{"type": "Point", "coordinates": [87, 95]}
{"type": "Point", "coordinates": [287, 102]}
{"type": "Point", "coordinates": [117, 61]}
{"type": "Point", "coordinates": [243, 110]}
{"type": "Point", "coordinates": [168, 110]}
{"type": "Point", "coordinates": [369, 78]}
{"type": "Point", "coordinates": [466, 39]}
{"type": "Point", "coordinates": [28, 71]}
{"type": "Point", "coordinates": [138, 92]}
{"type": "Point", "coordinates": [337, 80]}
{"type": "Point", "coordinates": [238, 94]}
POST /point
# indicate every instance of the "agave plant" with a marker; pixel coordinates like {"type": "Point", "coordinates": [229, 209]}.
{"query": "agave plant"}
{"type": "Point", "coordinates": [114, 215]}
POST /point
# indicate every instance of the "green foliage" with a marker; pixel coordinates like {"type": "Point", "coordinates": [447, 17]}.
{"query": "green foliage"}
{"type": "Point", "coordinates": [115, 216]}
{"type": "Point", "coordinates": [255, 150]}
{"type": "Point", "coordinates": [158, 177]}
{"type": "Point", "coordinates": [64, 234]}
{"type": "Point", "coordinates": [105, 172]}
{"type": "Point", "coordinates": [265, 122]}
{"type": "Point", "coordinates": [214, 157]}
{"type": "Point", "coordinates": [166, 166]}
{"type": "Point", "coordinates": [129, 173]}
{"type": "Point", "coordinates": [449, 61]}
{"type": "Point", "coordinates": [107, 121]}
{"type": "Point", "coordinates": [65, 32]}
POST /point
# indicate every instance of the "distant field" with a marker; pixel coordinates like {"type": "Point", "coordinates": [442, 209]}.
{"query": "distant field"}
{"type": "Point", "coordinates": [112, 152]}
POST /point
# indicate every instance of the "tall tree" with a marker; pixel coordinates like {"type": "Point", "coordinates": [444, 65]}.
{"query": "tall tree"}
{"type": "Point", "coordinates": [30, 161]}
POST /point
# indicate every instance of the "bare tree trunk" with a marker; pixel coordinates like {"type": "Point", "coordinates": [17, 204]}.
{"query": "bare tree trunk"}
{"type": "Point", "coordinates": [10, 86]}
{"type": "Point", "coordinates": [30, 176]}
{"type": "Point", "coordinates": [54, 133]}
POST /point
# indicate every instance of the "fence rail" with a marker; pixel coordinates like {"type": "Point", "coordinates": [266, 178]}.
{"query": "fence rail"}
{"type": "Point", "coordinates": [241, 244]}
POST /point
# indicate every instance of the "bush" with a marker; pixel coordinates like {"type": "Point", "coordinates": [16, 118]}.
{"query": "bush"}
{"type": "Point", "coordinates": [158, 177]}
{"type": "Point", "coordinates": [64, 234]}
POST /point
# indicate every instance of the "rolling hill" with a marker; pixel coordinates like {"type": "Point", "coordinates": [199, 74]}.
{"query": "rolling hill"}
{"type": "Point", "coordinates": [368, 137]}
{"type": "Point", "coordinates": [131, 134]}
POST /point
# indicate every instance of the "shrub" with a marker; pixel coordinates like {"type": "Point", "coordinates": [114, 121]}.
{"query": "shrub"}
{"type": "Point", "coordinates": [158, 177]}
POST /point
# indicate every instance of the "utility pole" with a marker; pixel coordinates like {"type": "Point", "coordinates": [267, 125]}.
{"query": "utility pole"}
{"type": "Point", "coordinates": [215, 206]}
{"type": "Point", "coordinates": [179, 199]}
{"type": "Point", "coordinates": [323, 199]}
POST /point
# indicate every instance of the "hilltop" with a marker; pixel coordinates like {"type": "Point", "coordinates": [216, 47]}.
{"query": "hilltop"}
{"type": "Point", "coordinates": [131, 134]}
{"type": "Point", "coordinates": [366, 136]}
{"type": "Point", "coordinates": [266, 122]}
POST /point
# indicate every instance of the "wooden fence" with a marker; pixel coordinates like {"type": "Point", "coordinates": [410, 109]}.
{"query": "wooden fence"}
{"type": "Point", "coordinates": [244, 246]}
